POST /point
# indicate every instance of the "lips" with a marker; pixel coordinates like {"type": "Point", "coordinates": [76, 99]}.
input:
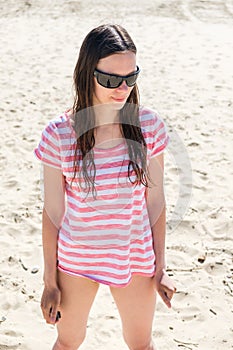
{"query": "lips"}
{"type": "Point", "coordinates": [119, 99]}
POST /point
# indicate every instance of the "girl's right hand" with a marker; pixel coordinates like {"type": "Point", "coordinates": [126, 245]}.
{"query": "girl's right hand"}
{"type": "Point", "coordinates": [50, 302]}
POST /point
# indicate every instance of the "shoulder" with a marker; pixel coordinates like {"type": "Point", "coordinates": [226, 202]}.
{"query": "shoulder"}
{"type": "Point", "coordinates": [150, 120]}
{"type": "Point", "coordinates": [60, 125]}
{"type": "Point", "coordinates": [59, 122]}
{"type": "Point", "coordinates": [154, 131]}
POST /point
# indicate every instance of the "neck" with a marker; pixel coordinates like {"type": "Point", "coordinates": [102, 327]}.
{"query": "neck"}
{"type": "Point", "coordinates": [106, 115]}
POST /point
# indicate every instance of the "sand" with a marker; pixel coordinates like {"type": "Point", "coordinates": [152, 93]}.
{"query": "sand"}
{"type": "Point", "coordinates": [185, 51]}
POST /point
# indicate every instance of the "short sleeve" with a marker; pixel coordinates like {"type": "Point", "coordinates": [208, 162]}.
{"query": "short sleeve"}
{"type": "Point", "coordinates": [160, 138]}
{"type": "Point", "coordinates": [48, 150]}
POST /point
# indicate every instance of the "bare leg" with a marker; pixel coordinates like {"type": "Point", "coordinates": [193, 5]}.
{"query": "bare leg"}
{"type": "Point", "coordinates": [77, 296]}
{"type": "Point", "coordinates": [136, 305]}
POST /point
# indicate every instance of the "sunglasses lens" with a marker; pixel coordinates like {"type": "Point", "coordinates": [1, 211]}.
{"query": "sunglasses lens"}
{"type": "Point", "coordinates": [131, 81]}
{"type": "Point", "coordinates": [109, 81]}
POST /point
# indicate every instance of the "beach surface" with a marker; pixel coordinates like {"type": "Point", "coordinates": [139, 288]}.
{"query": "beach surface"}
{"type": "Point", "coordinates": [185, 52]}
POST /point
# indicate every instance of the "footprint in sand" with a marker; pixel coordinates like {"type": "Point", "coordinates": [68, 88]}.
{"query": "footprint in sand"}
{"type": "Point", "coordinates": [185, 305]}
{"type": "Point", "coordinates": [10, 340]}
{"type": "Point", "coordinates": [215, 268]}
{"type": "Point", "coordinates": [212, 11]}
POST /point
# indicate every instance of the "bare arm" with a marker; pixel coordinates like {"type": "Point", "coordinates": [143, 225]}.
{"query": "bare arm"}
{"type": "Point", "coordinates": [156, 207]}
{"type": "Point", "coordinates": [53, 212]}
{"type": "Point", "coordinates": [49, 238]}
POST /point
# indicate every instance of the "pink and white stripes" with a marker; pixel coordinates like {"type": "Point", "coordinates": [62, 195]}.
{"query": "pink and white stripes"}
{"type": "Point", "coordinates": [107, 237]}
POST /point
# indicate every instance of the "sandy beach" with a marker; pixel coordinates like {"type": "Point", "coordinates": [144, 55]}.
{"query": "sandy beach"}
{"type": "Point", "coordinates": [185, 51]}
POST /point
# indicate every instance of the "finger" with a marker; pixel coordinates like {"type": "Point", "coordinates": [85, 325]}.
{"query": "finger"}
{"type": "Point", "coordinates": [53, 314]}
{"type": "Point", "coordinates": [169, 293]}
{"type": "Point", "coordinates": [46, 314]}
{"type": "Point", "coordinates": [168, 285]}
{"type": "Point", "coordinates": [166, 294]}
{"type": "Point", "coordinates": [165, 298]}
{"type": "Point", "coordinates": [45, 311]}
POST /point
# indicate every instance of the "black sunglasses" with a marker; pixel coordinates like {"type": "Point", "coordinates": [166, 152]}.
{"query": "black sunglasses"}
{"type": "Point", "coordinates": [113, 81]}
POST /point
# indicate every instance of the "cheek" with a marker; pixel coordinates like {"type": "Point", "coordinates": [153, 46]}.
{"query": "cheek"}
{"type": "Point", "coordinates": [129, 91]}
{"type": "Point", "coordinates": [100, 92]}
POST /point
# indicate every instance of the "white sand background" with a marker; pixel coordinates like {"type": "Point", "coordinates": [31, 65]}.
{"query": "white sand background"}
{"type": "Point", "coordinates": [185, 51]}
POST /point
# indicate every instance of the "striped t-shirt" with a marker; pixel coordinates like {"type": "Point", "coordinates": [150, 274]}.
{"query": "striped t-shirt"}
{"type": "Point", "coordinates": [106, 237]}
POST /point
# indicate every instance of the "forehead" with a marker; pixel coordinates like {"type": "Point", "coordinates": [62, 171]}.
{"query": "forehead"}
{"type": "Point", "coordinates": [121, 63]}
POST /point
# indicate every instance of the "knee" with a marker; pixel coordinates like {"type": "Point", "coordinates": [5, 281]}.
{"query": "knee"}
{"type": "Point", "coordinates": [62, 344]}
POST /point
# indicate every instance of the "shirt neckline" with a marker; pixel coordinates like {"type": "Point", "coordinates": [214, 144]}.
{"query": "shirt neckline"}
{"type": "Point", "coordinates": [119, 146]}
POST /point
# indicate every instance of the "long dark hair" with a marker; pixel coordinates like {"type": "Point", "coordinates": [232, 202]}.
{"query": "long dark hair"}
{"type": "Point", "coordinates": [101, 42]}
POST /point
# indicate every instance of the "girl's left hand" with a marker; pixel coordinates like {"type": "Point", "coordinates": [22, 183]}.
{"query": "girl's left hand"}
{"type": "Point", "coordinates": [164, 286]}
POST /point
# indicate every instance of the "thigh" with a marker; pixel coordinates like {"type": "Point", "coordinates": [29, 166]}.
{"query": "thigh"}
{"type": "Point", "coordinates": [77, 296]}
{"type": "Point", "coordinates": [136, 305]}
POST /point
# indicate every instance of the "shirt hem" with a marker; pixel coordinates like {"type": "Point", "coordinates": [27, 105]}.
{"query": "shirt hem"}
{"type": "Point", "coordinates": [111, 284]}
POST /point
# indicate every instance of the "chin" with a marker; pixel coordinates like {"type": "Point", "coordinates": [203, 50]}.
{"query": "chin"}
{"type": "Point", "coordinates": [118, 105]}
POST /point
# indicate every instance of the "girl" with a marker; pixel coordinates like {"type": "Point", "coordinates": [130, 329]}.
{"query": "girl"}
{"type": "Point", "coordinates": [104, 207]}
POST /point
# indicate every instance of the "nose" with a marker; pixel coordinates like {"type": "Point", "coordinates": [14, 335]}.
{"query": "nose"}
{"type": "Point", "coordinates": [123, 86]}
